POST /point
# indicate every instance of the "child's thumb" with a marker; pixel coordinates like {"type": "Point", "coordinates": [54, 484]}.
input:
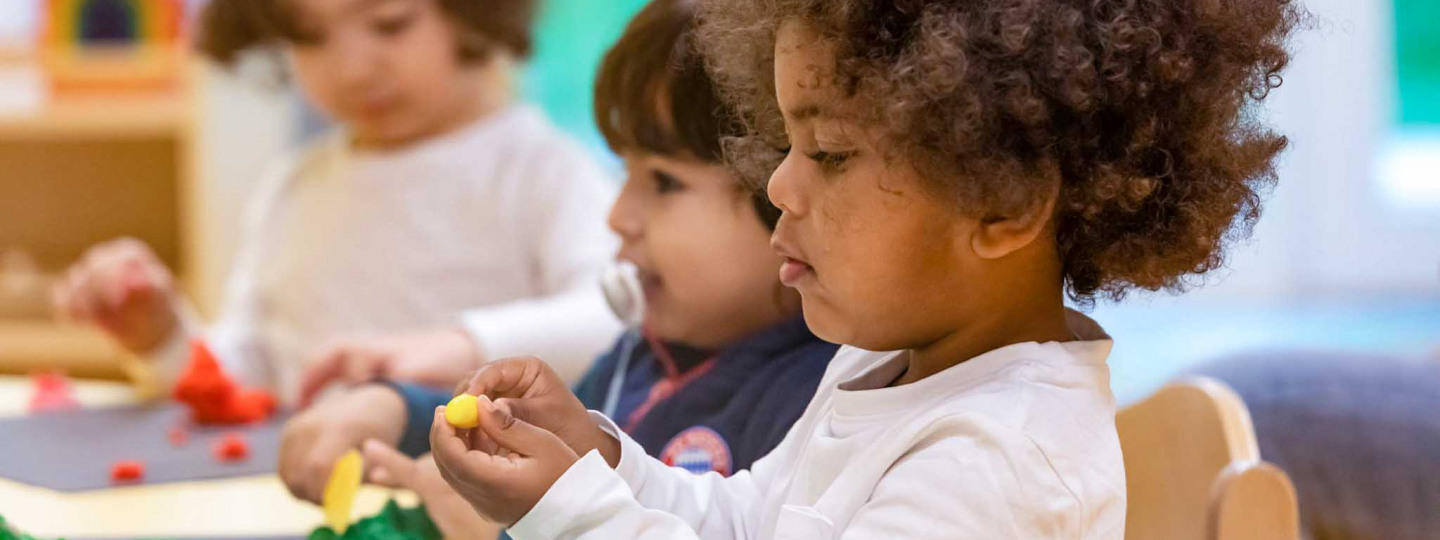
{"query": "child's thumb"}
{"type": "Point", "coordinates": [512, 433]}
{"type": "Point", "coordinates": [388, 467]}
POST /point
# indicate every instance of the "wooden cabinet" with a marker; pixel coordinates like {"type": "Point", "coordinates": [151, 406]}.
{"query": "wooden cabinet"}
{"type": "Point", "coordinates": [81, 170]}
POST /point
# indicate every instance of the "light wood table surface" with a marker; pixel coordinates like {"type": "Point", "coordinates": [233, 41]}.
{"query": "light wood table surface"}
{"type": "Point", "coordinates": [253, 506]}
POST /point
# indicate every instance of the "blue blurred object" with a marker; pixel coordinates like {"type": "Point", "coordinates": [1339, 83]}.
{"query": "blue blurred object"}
{"type": "Point", "coordinates": [1156, 341]}
{"type": "Point", "coordinates": [105, 22]}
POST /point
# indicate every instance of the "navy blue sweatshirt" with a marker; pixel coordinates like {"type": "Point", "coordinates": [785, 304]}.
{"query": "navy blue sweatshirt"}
{"type": "Point", "coordinates": [693, 410]}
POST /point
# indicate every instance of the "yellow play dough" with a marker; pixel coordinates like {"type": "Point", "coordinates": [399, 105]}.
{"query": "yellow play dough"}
{"type": "Point", "coordinates": [340, 490]}
{"type": "Point", "coordinates": [463, 412]}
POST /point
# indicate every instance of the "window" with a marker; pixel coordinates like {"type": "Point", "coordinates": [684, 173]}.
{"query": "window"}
{"type": "Point", "coordinates": [572, 38]}
{"type": "Point", "coordinates": [1409, 167]}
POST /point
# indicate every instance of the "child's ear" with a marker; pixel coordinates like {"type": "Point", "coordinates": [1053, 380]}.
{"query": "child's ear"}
{"type": "Point", "coordinates": [997, 236]}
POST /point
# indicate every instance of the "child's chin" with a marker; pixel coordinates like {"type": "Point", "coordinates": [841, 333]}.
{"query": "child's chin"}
{"type": "Point", "coordinates": [824, 322]}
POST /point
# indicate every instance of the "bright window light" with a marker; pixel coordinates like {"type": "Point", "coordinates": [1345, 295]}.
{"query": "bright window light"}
{"type": "Point", "coordinates": [1410, 169]}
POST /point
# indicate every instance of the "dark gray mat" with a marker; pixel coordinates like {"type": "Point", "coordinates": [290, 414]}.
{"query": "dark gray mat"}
{"type": "Point", "coordinates": [74, 451]}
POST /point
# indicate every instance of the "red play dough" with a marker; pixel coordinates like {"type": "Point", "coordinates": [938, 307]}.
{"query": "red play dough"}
{"type": "Point", "coordinates": [232, 447]}
{"type": "Point", "coordinates": [52, 393]}
{"type": "Point", "coordinates": [215, 399]}
{"type": "Point", "coordinates": [178, 436]}
{"type": "Point", "coordinates": [127, 471]}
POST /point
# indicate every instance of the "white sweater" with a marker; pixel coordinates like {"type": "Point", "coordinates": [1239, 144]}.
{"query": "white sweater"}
{"type": "Point", "coordinates": [499, 226]}
{"type": "Point", "coordinates": [1018, 443]}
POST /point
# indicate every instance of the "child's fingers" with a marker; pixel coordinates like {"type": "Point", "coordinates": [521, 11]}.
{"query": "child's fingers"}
{"type": "Point", "coordinates": [108, 265]}
{"type": "Point", "coordinates": [389, 467]}
{"type": "Point", "coordinates": [445, 441]}
{"type": "Point", "coordinates": [482, 442]}
{"type": "Point", "coordinates": [514, 434]}
{"type": "Point", "coordinates": [319, 373]}
{"type": "Point", "coordinates": [81, 306]}
{"type": "Point", "coordinates": [503, 378]}
{"type": "Point", "coordinates": [452, 456]}
{"type": "Point", "coordinates": [363, 364]}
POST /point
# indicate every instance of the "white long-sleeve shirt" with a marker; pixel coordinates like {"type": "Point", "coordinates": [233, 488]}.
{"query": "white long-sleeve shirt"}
{"type": "Point", "coordinates": [1018, 443]}
{"type": "Point", "coordinates": [498, 226]}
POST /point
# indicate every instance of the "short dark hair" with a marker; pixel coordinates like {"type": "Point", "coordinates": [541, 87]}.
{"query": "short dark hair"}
{"type": "Point", "coordinates": [654, 94]}
{"type": "Point", "coordinates": [230, 27]}
{"type": "Point", "coordinates": [1142, 110]}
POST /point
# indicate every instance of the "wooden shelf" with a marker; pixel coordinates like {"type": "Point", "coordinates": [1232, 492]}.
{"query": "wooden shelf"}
{"type": "Point", "coordinates": [108, 117]}
{"type": "Point", "coordinates": [27, 346]}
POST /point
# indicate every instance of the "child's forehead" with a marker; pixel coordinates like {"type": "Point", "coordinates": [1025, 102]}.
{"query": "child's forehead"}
{"type": "Point", "coordinates": [327, 9]}
{"type": "Point", "coordinates": [805, 74]}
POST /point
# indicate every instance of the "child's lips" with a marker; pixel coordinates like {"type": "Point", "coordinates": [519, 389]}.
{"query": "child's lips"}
{"type": "Point", "coordinates": [650, 282]}
{"type": "Point", "coordinates": [793, 271]}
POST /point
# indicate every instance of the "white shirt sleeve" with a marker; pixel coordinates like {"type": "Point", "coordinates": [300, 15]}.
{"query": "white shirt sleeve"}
{"type": "Point", "coordinates": [953, 485]}
{"type": "Point", "coordinates": [235, 337]}
{"type": "Point", "coordinates": [644, 499]}
{"type": "Point", "coordinates": [564, 208]}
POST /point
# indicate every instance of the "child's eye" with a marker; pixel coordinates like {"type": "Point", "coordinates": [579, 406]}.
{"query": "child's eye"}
{"type": "Point", "coordinates": [664, 183]}
{"type": "Point", "coordinates": [392, 25]}
{"type": "Point", "coordinates": [830, 162]}
{"type": "Point", "coordinates": [306, 37]}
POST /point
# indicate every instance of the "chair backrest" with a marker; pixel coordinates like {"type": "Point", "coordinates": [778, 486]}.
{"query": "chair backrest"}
{"type": "Point", "coordinates": [1253, 501]}
{"type": "Point", "coordinates": [1192, 463]}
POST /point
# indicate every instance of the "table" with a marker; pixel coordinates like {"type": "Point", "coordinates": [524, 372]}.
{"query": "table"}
{"type": "Point", "coordinates": [254, 506]}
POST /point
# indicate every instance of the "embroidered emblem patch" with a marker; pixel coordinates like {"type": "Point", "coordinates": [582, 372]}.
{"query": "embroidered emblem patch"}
{"type": "Point", "coordinates": [698, 450]}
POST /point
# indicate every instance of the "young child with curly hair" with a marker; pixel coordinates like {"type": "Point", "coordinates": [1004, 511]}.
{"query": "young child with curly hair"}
{"type": "Point", "coordinates": [947, 173]}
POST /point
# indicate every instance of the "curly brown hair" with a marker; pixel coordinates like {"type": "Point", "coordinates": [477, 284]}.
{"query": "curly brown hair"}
{"type": "Point", "coordinates": [228, 28]}
{"type": "Point", "coordinates": [1142, 110]}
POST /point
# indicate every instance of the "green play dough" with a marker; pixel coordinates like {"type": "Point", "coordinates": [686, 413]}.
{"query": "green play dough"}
{"type": "Point", "coordinates": [392, 523]}
{"type": "Point", "coordinates": [6, 533]}
{"type": "Point", "coordinates": [9, 533]}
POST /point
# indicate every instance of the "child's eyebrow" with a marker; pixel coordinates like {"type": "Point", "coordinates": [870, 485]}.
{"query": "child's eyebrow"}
{"type": "Point", "coordinates": [807, 111]}
{"type": "Point", "coordinates": [366, 5]}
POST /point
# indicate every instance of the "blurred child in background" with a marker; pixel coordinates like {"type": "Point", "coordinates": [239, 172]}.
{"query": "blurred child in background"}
{"type": "Point", "coordinates": [440, 202]}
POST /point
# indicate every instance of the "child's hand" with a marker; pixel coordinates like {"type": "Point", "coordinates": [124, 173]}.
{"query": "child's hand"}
{"type": "Point", "coordinates": [453, 515]}
{"type": "Point", "coordinates": [433, 358]}
{"type": "Point", "coordinates": [503, 466]}
{"type": "Point", "coordinates": [533, 392]}
{"type": "Point", "coordinates": [123, 288]}
{"type": "Point", "coordinates": [315, 439]}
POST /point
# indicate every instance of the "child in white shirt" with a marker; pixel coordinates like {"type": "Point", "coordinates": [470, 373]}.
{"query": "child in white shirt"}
{"type": "Point", "coordinates": [947, 172]}
{"type": "Point", "coordinates": [441, 202]}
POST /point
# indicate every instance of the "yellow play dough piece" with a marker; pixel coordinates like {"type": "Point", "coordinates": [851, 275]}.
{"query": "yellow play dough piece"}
{"type": "Point", "coordinates": [463, 412]}
{"type": "Point", "coordinates": [340, 490]}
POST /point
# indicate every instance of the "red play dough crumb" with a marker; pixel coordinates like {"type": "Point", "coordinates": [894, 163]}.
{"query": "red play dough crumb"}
{"type": "Point", "coordinates": [123, 472]}
{"type": "Point", "coordinates": [178, 436]}
{"type": "Point", "coordinates": [215, 399]}
{"type": "Point", "coordinates": [232, 447]}
{"type": "Point", "coordinates": [52, 393]}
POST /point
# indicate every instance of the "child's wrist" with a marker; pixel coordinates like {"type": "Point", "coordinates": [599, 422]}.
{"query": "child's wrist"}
{"type": "Point", "coordinates": [385, 409]}
{"type": "Point", "coordinates": [605, 443]}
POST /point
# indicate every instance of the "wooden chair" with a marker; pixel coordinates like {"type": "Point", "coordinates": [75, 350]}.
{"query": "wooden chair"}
{"type": "Point", "coordinates": [1193, 469]}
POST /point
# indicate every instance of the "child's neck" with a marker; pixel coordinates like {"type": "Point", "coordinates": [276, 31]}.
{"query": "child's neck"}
{"type": "Point", "coordinates": [1033, 318]}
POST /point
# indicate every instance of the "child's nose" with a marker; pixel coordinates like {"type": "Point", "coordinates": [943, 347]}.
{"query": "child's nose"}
{"type": "Point", "coordinates": [356, 63]}
{"type": "Point", "coordinates": [626, 217]}
{"type": "Point", "coordinates": [784, 188]}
